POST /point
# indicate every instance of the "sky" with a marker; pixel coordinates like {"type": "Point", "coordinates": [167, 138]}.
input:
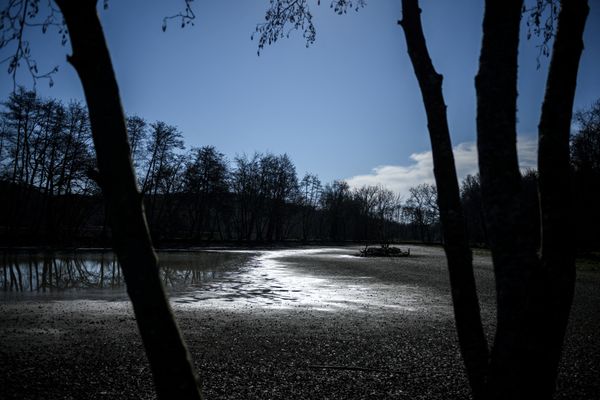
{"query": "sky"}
{"type": "Point", "coordinates": [347, 107]}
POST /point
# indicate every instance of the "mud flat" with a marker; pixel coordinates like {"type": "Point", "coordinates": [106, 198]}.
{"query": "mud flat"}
{"type": "Point", "coordinates": [288, 324]}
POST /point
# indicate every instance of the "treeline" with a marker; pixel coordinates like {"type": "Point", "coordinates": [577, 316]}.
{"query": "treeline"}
{"type": "Point", "coordinates": [50, 195]}
{"type": "Point", "coordinates": [584, 190]}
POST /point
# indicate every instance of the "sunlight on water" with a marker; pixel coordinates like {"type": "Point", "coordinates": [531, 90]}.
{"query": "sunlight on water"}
{"type": "Point", "coordinates": [320, 279]}
{"type": "Point", "coordinates": [271, 281]}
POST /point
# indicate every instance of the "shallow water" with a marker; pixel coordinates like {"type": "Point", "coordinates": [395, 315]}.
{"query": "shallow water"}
{"type": "Point", "coordinates": [234, 279]}
{"type": "Point", "coordinates": [85, 273]}
{"type": "Point", "coordinates": [270, 280]}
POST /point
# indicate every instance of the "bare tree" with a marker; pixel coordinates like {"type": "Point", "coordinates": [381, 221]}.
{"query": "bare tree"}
{"type": "Point", "coordinates": [534, 294]}
{"type": "Point", "coordinates": [45, 154]}
{"type": "Point", "coordinates": [264, 186]}
{"type": "Point", "coordinates": [205, 183]}
{"type": "Point", "coordinates": [585, 164]}
{"type": "Point", "coordinates": [282, 189]}
{"type": "Point", "coordinates": [422, 207]}
{"type": "Point", "coordinates": [585, 144]}
{"type": "Point", "coordinates": [384, 208]}
{"type": "Point", "coordinates": [246, 186]}
{"type": "Point", "coordinates": [309, 196]}
{"type": "Point", "coordinates": [470, 196]}
{"type": "Point", "coordinates": [168, 356]}
{"type": "Point", "coordinates": [335, 201]}
{"type": "Point", "coordinates": [137, 130]}
{"type": "Point", "coordinates": [366, 199]}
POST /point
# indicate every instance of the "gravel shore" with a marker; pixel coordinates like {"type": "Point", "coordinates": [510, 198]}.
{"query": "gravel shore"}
{"type": "Point", "coordinates": [353, 329]}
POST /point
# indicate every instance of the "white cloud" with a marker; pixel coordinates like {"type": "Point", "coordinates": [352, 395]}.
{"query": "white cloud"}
{"type": "Point", "coordinates": [527, 148]}
{"type": "Point", "coordinates": [400, 178]}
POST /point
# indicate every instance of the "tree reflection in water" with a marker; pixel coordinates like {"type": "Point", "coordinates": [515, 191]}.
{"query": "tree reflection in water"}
{"type": "Point", "coordinates": [42, 272]}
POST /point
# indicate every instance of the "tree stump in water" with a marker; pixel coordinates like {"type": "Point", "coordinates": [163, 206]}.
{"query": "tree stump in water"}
{"type": "Point", "coordinates": [384, 251]}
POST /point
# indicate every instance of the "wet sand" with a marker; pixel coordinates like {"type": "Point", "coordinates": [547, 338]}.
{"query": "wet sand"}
{"type": "Point", "coordinates": [308, 324]}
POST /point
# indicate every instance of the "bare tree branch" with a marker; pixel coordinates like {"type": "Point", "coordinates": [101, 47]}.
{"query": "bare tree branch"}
{"type": "Point", "coordinates": [541, 22]}
{"type": "Point", "coordinates": [14, 18]}
{"type": "Point", "coordinates": [186, 17]}
{"type": "Point", "coordinates": [284, 16]}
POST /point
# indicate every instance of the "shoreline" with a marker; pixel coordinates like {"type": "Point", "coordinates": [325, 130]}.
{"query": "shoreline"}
{"type": "Point", "coordinates": [371, 344]}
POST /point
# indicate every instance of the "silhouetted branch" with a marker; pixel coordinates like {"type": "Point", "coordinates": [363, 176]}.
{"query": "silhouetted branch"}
{"type": "Point", "coordinates": [342, 6]}
{"type": "Point", "coordinates": [14, 18]}
{"type": "Point", "coordinates": [186, 17]}
{"type": "Point", "coordinates": [541, 21]}
{"type": "Point", "coordinates": [284, 16]}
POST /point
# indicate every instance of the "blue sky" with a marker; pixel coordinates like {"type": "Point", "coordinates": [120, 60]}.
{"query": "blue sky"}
{"type": "Point", "coordinates": [346, 107]}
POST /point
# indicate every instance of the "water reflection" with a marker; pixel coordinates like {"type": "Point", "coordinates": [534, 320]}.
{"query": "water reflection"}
{"type": "Point", "coordinates": [52, 272]}
{"type": "Point", "coordinates": [280, 279]}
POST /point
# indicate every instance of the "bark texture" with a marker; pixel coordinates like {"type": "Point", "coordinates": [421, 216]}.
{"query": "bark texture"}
{"type": "Point", "coordinates": [168, 356]}
{"type": "Point", "coordinates": [471, 336]}
{"type": "Point", "coordinates": [557, 254]}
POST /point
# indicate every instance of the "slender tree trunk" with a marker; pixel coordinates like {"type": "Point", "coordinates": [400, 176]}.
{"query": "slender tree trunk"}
{"type": "Point", "coordinates": [169, 359]}
{"type": "Point", "coordinates": [557, 248]}
{"type": "Point", "coordinates": [471, 337]}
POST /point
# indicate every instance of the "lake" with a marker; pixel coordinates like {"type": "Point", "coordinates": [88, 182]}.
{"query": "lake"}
{"type": "Point", "coordinates": [86, 273]}
{"type": "Point", "coordinates": [318, 278]}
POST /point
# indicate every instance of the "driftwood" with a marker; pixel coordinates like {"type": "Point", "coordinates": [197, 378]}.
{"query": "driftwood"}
{"type": "Point", "coordinates": [385, 250]}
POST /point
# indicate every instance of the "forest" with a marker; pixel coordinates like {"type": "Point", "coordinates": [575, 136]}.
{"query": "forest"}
{"type": "Point", "coordinates": [51, 189]}
{"type": "Point", "coordinates": [524, 313]}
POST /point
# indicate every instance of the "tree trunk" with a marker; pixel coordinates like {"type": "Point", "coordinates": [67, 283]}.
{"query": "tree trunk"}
{"type": "Point", "coordinates": [471, 337]}
{"type": "Point", "coordinates": [510, 231]}
{"type": "Point", "coordinates": [169, 359]}
{"type": "Point", "coordinates": [557, 248]}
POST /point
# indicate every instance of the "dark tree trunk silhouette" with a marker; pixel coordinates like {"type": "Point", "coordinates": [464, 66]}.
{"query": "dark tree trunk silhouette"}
{"type": "Point", "coordinates": [464, 294]}
{"type": "Point", "coordinates": [510, 231]}
{"type": "Point", "coordinates": [533, 295]}
{"type": "Point", "coordinates": [169, 359]}
{"type": "Point", "coordinates": [557, 248]}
